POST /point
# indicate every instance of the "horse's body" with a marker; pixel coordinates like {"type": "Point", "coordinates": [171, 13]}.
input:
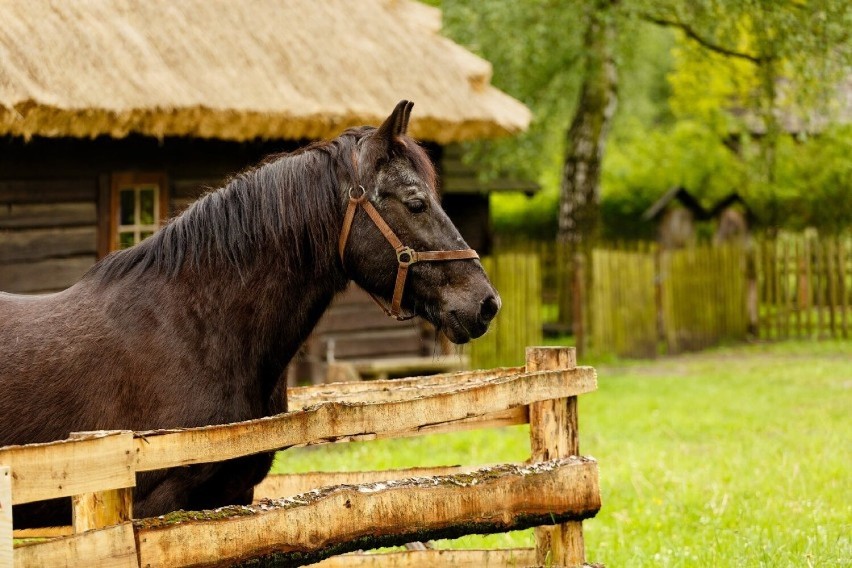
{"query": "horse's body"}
{"type": "Point", "coordinates": [196, 324]}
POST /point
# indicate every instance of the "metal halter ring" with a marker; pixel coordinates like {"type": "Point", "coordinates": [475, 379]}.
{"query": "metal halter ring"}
{"type": "Point", "coordinates": [406, 256]}
{"type": "Point", "coordinates": [360, 197]}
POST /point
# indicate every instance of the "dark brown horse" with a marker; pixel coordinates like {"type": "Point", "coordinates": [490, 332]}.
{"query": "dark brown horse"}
{"type": "Point", "coordinates": [195, 325]}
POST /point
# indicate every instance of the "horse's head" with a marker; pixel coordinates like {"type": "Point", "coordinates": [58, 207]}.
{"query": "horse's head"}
{"type": "Point", "coordinates": [398, 243]}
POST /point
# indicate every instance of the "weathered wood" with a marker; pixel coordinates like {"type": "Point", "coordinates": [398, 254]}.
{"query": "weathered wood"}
{"type": "Point", "coordinates": [388, 389]}
{"type": "Point", "coordinates": [111, 547]}
{"type": "Point", "coordinates": [100, 508]}
{"type": "Point", "coordinates": [370, 343]}
{"type": "Point", "coordinates": [43, 532]}
{"type": "Point", "coordinates": [5, 516]}
{"type": "Point", "coordinates": [285, 485]}
{"type": "Point", "coordinates": [554, 434]}
{"type": "Point", "coordinates": [39, 244]}
{"type": "Point", "coordinates": [315, 525]}
{"type": "Point", "coordinates": [48, 190]}
{"type": "Point", "coordinates": [355, 421]}
{"type": "Point", "coordinates": [358, 317]}
{"type": "Point", "coordinates": [324, 393]}
{"type": "Point", "coordinates": [408, 366]}
{"type": "Point", "coordinates": [44, 275]}
{"type": "Point", "coordinates": [99, 462]}
{"type": "Point", "coordinates": [497, 558]}
{"type": "Point", "coordinates": [35, 215]}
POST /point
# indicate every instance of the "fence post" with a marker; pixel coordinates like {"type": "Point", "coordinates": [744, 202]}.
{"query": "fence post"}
{"type": "Point", "coordinates": [554, 434]}
{"type": "Point", "coordinates": [100, 508]}
{"type": "Point", "coordinates": [5, 516]}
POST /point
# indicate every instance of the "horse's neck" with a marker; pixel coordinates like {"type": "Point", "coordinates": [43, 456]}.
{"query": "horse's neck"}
{"type": "Point", "coordinates": [245, 315]}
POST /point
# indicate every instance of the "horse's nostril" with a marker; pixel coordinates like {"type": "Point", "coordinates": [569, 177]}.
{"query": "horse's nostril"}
{"type": "Point", "coordinates": [490, 307]}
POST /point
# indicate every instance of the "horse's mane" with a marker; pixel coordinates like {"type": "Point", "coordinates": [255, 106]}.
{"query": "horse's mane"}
{"type": "Point", "coordinates": [287, 202]}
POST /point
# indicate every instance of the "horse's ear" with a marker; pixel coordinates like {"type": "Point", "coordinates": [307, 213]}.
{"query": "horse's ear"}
{"type": "Point", "coordinates": [396, 124]}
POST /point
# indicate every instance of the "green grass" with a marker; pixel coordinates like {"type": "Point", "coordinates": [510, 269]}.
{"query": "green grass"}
{"type": "Point", "coordinates": [738, 456]}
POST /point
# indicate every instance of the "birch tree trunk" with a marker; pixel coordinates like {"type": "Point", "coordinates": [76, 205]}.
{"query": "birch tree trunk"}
{"type": "Point", "coordinates": [579, 200]}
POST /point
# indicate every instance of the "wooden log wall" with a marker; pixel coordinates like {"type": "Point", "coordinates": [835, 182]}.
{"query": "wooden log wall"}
{"type": "Point", "coordinates": [48, 232]}
{"type": "Point", "coordinates": [50, 196]}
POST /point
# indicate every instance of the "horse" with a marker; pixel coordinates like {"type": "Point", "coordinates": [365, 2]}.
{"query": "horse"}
{"type": "Point", "coordinates": [196, 324]}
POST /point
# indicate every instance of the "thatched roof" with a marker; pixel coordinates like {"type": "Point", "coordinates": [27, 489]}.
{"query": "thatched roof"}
{"type": "Point", "coordinates": [238, 70]}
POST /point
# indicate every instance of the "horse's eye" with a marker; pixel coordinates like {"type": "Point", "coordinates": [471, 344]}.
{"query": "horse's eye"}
{"type": "Point", "coordinates": [416, 205]}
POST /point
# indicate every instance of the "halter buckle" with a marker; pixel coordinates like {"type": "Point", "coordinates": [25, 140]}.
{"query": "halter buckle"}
{"type": "Point", "coordinates": [406, 256]}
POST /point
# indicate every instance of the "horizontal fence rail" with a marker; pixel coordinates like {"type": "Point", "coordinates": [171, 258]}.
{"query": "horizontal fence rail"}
{"type": "Point", "coordinates": [303, 518]}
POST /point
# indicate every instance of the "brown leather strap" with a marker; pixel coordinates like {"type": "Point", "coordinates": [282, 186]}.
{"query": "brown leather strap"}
{"type": "Point", "coordinates": [405, 256]}
{"type": "Point", "coordinates": [347, 219]}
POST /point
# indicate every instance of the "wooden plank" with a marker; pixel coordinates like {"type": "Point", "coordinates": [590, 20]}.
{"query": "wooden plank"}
{"type": "Point", "coordinates": [842, 245]}
{"type": "Point", "coordinates": [362, 421]}
{"type": "Point", "coordinates": [332, 391]}
{"type": "Point", "coordinates": [277, 486]}
{"type": "Point", "coordinates": [409, 366]}
{"type": "Point", "coordinates": [371, 343]}
{"type": "Point", "coordinates": [358, 317]}
{"type": "Point", "coordinates": [797, 286]}
{"type": "Point", "coordinates": [5, 516]}
{"type": "Point", "coordinates": [806, 285]}
{"type": "Point", "coordinates": [43, 532]}
{"type": "Point", "coordinates": [832, 272]}
{"type": "Point", "coordinates": [554, 434]}
{"type": "Point", "coordinates": [384, 390]}
{"type": "Point", "coordinates": [70, 467]}
{"type": "Point", "coordinates": [314, 525]}
{"type": "Point", "coordinates": [38, 244]}
{"type": "Point", "coordinates": [48, 215]}
{"type": "Point", "coordinates": [821, 287]}
{"type": "Point", "coordinates": [112, 547]}
{"type": "Point", "coordinates": [44, 275]}
{"type": "Point", "coordinates": [48, 190]}
{"type": "Point", "coordinates": [100, 508]}
{"type": "Point", "coordinates": [498, 558]}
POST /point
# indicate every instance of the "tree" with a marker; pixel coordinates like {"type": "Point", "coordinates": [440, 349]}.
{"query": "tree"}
{"type": "Point", "coordinates": [801, 44]}
{"type": "Point", "coordinates": [579, 203]}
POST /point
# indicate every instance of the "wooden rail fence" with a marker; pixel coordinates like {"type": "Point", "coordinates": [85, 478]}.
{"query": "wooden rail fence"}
{"type": "Point", "coordinates": [304, 518]}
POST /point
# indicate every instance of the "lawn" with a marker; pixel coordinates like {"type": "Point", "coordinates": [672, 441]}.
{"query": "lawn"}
{"type": "Point", "coordinates": [739, 456]}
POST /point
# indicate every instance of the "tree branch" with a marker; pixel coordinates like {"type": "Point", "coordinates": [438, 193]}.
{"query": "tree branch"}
{"type": "Point", "coordinates": [704, 42]}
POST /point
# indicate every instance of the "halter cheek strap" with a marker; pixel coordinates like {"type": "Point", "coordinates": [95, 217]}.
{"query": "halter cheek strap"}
{"type": "Point", "coordinates": [405, 256]}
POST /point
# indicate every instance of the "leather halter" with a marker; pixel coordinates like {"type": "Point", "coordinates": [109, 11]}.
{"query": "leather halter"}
{"type": "Point", "coordinates": [405, 256]}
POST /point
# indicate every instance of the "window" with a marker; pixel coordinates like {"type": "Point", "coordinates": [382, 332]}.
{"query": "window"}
{"type": "Point", "coordinates": [138, 205]}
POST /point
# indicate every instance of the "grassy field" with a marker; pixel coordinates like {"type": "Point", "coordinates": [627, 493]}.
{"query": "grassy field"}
{"type": "Point", "coordinates": [738, 456]}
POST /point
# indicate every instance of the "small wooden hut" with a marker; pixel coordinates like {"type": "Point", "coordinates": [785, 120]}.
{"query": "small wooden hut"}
{"type": "Point", "coordinates": [678, 215]}
{"type": "Point", "coordinates": [115, 115]}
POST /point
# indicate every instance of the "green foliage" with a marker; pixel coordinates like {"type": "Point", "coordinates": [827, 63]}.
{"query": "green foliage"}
{"type": "Point", "coordinates": [732, 457]}
{"type": "Point", "coordinates": [675, 122]}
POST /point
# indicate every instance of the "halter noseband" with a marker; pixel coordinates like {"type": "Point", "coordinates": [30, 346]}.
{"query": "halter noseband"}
{"type": "Point", "coordinates": [405, 256]}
